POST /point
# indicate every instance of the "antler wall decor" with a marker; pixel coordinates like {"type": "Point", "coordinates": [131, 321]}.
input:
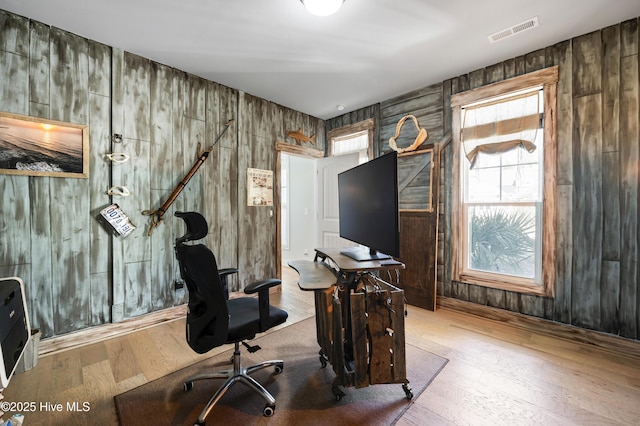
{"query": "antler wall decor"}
{"type": "Point", "coordinates": [156, 215]}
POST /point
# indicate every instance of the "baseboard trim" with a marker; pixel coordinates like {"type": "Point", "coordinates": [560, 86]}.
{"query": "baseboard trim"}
{"type": "Point", "coordinates": [102, 332]}
{"type": "Point", "coordinates": [99, 333]}
{"type": "Point", "coordinates": [604, 341]}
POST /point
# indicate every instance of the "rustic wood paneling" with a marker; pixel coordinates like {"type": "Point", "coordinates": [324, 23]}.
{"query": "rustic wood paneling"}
{"type": "Point", "coordinates": [256, 224]}
{"type": "Point", "coordinates": [117, 128]}
{"type": "Point", "coordinates": [135, 175]}
{"type": "Point", "coordinates": [564, 174]}
{"type": "Point", "coordinates": [418, 231]}
{"type": "Point", "coordinates": [610, 146]}
{"type": "Point", "coordinates": [162, 179]}
{"type": "Point", "coordinates": [419, 255]}
{"type": "Point", "coordinates": [84, 275]}
{"type": "Point", "coordinates": [564, 258]}
{"type": "Point", "coordinates": [587, 221]}
{"type": "Point", "coordinates": [629, 159]}
{"type": "Point", "coordinates": [415, 187]}
{"type": "Point", "coordinates": [14, 33]}
{"type": "Point", "coordinates": [175, 164]}
{"type": "Point", "coordinates": [161, 182]}
{"type": "Point", "coordinates": [587, 63]}
{"type": "Point", "coordinates": [69, 204]}
{"type": "Point", "coordinates": [425, 104]}
{"type": "Point", "coordinates": [40, 292]}
{"type": "Point", "coordinates": [100, 143]}
{"type": "Point", "coordinates": [443, 276]}
{"type": "Point", "coordinates": [162, 114]}
{"type": "Point", "coordinates": [221, 184]}
{"type": "Point", "coordinates": [190, 117]}
{"type": "Point", "coordinates": [39, 66]}
{"type": "Point", "coordinates": [16, 222]}
{"type": "Point", "coordinates": [14, 54]}
{"type": "Point", "coordinates": [597, 194]}
{"type": "Point", "coordinates": [354, 117]}
{"type": "Point", "coordinates": [14, 190]}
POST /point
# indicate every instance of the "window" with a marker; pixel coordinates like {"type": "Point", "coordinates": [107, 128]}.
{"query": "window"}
{"type": "Point", "coordinates": [355, 142]}
{"type": "Point", "coordinates": [352, 138]}
{"type": "Point", "coordinates": [504, 184]}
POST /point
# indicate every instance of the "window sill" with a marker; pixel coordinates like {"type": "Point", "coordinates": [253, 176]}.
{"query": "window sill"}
{"type": "Point", "coordinates": [514, 286]}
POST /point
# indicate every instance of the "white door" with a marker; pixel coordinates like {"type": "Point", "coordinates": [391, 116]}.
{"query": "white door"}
{"type": "Point", "coordinates": [328, 226]}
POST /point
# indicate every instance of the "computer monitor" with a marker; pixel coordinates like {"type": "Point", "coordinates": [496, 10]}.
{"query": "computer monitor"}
{"type": "Point", "coordinates": [368, 208]}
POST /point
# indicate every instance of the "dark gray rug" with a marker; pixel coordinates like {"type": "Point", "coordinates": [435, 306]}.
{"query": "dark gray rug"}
{"type": "Point", "coordinates": [302, 391]}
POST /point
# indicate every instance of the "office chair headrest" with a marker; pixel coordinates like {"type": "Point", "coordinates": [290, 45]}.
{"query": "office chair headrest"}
{"type": "Point", "coordinates": [197, 227]}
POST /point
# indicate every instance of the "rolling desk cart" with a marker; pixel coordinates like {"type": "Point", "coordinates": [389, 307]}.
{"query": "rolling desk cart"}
{"type": "Point", "coordinates": [359, 318]}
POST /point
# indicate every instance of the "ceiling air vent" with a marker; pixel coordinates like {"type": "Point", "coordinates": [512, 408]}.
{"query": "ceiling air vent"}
{"type": "Point", "coordinates": [511, 31]}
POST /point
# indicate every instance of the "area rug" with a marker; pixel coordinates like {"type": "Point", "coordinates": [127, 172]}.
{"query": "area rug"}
{"type": "Point", "coordinates": [302, 391]}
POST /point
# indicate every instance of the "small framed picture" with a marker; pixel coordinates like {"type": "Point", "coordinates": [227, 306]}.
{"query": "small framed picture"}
{"type": "Point", "coordinates": [259, 187]}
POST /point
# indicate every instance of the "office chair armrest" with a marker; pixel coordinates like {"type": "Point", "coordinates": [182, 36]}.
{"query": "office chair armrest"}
{"type": "Point", "coordinates": [224, 273]}
{"type": "Point", "coordinates": [257, 286]}
{"type": "Point", "coordinates": [262, 288]}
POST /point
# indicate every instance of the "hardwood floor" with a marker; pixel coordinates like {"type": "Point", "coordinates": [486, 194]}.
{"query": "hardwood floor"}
{"type": "Point", "coordinates": [497, 374]}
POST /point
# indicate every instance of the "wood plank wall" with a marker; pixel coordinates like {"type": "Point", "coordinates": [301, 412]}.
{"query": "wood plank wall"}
{"type": "Point", "coordinates": [418, 279]}
{"type": "Point", "coordinates": [357, 116]}
{"type": "Point", "coordinates": [426, 104]}
{"type": "Point", "coordinates": [598, 153]}
{"type": "Point", "coordinates": [598, 237]}
{"type": "Point", "coordinates": [76, 273]}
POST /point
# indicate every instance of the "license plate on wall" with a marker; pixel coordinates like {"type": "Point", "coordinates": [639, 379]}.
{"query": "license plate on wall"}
{"type": "Point", "coordinates": [118, 220]}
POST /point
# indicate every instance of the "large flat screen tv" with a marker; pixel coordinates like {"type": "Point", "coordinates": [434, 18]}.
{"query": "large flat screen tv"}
{"type": "Point", "coordinates": [368, 208]}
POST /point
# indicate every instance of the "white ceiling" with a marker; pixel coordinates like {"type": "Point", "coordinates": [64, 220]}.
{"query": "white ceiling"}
{"type": "Point", "coordinates": [371, 50]}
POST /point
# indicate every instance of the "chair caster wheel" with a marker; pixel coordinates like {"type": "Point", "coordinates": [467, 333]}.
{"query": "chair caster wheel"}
{"type": "Point", "coordinates": [198, 424]}
{"type": "Point", "coordinates": [337, 392]}
{"type": "Point", "coordinates": [269, 410]}
{"type": "Point", "coordinates": [407, 391]}
{"type": "Point", "coordinates": [187, 386]}
{"type": "Point", "coordinates": [279, 367]}
{"type": "Point", "coordinates": [323, 361]}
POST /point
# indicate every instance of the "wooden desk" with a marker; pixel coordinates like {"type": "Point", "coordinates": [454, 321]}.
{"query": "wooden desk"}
{"type": "Point", "coordinates": [359, 319]}
{"type": "Point", "coordinates": [329, 263]}
{"type": "Point", "coordinates": [348, 265]}
{"type": "Point", "coordinates": [314, 275]}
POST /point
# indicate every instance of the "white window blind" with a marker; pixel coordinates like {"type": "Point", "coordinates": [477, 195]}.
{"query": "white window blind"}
{"type": "Point", "coordinates": [499, 125]}
{"type": "Point", "coordinates": [355, 142]}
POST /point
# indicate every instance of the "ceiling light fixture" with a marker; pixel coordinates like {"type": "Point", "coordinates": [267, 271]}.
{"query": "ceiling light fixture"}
{"type": "Point", "coordinates": [322, 7]}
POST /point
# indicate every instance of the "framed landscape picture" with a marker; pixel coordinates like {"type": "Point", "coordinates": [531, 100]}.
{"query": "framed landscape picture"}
{"type": "Point", "coordinates": [39, 147]}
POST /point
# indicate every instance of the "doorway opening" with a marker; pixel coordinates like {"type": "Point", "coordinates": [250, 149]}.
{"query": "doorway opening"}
{"type": "Point", "coordinates": [308, 188]}
{"type": "Point", "coordinates": [297, 207]}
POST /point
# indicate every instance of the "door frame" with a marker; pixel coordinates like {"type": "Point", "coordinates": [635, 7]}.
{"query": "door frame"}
{"type": "Point", "coordinates": [300, 151]}
{"type": "Point", "coordinates": [312, 153]}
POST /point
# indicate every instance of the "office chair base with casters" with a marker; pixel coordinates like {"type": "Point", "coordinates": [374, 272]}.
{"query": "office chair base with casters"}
{"type": "Point", "coordinates": [233, 376]}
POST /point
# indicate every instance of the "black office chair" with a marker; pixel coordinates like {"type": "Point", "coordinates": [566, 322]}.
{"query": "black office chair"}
{"type": "Point", "coordinates": [212, 320]}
